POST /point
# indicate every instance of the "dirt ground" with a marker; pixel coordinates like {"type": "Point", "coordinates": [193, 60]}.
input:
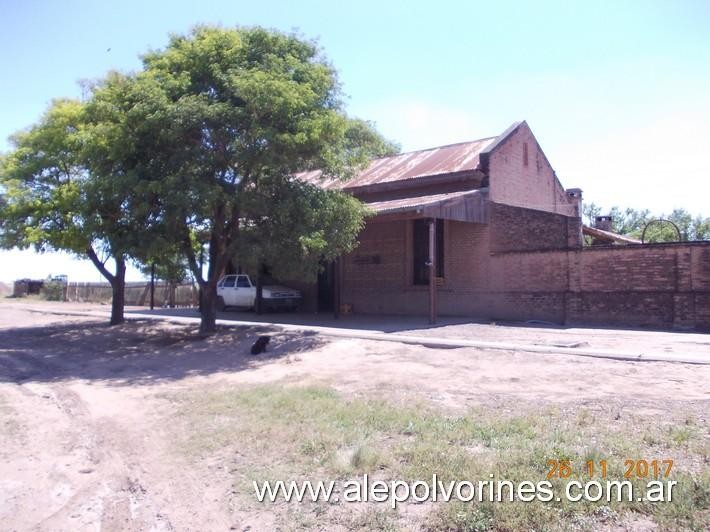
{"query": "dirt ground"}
{"type": "Point", "coordinates": [85, 409]}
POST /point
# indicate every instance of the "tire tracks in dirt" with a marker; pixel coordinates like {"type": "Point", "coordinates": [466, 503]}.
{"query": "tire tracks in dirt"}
{"type": "Point", "coordinates": [90, 481]}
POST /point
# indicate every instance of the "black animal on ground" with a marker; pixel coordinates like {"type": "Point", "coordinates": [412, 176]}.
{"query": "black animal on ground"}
{"type": "Point", "coordinates": [260, 345]}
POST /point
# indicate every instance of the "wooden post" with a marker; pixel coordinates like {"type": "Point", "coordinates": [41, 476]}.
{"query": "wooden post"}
{"type": "Point", "coordinates": [199, 283]}
{"type": "Point", "coordinates": [171, 294]}
{"type": "Point", "coordinates": [152, 286]}
{"type": "Point", "coordinates": [432, 271]}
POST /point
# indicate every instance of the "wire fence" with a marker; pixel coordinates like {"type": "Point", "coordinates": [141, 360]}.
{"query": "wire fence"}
{"type": "Point", "coordinates": [136, 294]}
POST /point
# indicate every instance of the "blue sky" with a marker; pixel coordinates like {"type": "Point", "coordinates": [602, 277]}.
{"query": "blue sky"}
{"type": "Point", "coordinates": [618, 94]}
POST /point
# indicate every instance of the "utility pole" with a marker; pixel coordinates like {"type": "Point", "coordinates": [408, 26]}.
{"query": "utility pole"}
{"type": "Point", "coordinates": [152, 286]}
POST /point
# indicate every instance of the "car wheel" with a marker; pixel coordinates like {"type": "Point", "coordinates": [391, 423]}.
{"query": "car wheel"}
{"type": "Point", "coordinates": [220, 304]}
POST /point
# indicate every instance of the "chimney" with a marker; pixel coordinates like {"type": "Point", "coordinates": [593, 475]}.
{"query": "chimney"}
{"type": "Point", "coordinates": [575, 197]}
{"type": "Point", "coordinates": [603, 222]}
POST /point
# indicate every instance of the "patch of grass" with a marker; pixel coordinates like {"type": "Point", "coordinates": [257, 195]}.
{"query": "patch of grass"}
{"type": "Point", "coordinates": [462, 517]}
{"type": "Point", "coordinates": [681, 435]}
{"type": "Point", "coordinates": [584, 417]}
{"type": "Point", "coordinates": [373, 518]}
{"type": "Point", "coordinates": [292, 432]}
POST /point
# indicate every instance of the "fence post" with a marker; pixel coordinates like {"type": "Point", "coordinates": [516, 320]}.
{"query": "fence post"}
{"type": "Point", "coordinates": [152, 286]}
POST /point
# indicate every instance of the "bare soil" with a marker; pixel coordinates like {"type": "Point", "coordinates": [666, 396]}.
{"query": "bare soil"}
{"type": "Point", "coordinates": [86, 410]}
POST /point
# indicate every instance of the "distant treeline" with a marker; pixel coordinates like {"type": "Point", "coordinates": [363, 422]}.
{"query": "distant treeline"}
{"type": "Point", "coordinates": [631, 222]}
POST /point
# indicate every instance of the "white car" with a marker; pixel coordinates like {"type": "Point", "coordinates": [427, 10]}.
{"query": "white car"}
{"type": "Point", "coordinates": [239, 291]}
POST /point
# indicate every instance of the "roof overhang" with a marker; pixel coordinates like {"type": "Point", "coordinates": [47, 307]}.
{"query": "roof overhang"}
{"type": "Point", "coordinates": [474, 178]}
{"type": "Point", "coordinates": [608, 236]}
{"type": "Point", "coordinates": [464, 206]}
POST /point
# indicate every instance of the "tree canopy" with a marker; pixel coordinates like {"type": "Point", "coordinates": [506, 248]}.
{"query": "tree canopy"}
{"type": "Point", "coordinates": [200, 147]}
{"type": "Point", "coordinates": [229, 116]}
{"type": "Point", "coordinates": [60, 196]}
{"type": "Point", "coordinates": [631, 222]}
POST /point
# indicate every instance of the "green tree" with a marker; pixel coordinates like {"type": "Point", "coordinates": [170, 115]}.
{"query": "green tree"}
{"type": "Point", "coordinates": [631, 222]}
{"type": "Point", "coordinates": [228, 114]}
{"type": "Point", "coordinates": [294, 227]}
{"type": "Point", "coordinates": [171, 268]}
{"type": "Point", "coordinates": [700, 228]}
{"type": "Point", "coordinates": [55, 199]}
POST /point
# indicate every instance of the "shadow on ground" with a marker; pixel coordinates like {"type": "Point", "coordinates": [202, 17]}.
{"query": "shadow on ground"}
{"type": "Point", "coordinates": [138, 352]}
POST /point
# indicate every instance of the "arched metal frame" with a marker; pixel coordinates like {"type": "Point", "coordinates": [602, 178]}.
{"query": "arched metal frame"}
{"type": "Point", "coordinates": [659, 220]}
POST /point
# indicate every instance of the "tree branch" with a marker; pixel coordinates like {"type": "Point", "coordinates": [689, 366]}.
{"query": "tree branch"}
{"type": "Point", "coordinates": [192, 260]}
{"type": "Point", "coordinates": [99, 265]}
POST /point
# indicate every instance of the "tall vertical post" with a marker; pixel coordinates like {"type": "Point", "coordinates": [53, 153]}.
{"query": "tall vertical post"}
{"type": "Point", "coordinates": [152, 286]}
{"type": "Point", "coordinates": [199, 284]}
{"type": "Point", "coordinates": [432, 271]}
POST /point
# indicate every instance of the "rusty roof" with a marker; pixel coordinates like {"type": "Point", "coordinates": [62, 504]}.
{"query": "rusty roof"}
{"type": "Point", "coordinates": [406, 204]}
{"type": "Point", "coordinates": [608, 235]}
{"type": "Point", "coordinates": [465, 205]}
{"type": "Point", "coordinates": [412, 165]}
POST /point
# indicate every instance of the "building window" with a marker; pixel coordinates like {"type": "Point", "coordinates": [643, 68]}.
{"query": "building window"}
{"type": "Point", "coordinates": [525, 153]}
{"type": "Point", "coordinates": [420, 251]}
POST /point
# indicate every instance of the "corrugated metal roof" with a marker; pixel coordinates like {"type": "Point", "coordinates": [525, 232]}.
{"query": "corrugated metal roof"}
{"type": "Point", "coordinates": [412, 165]}
{"type": "Point", "coordinates": [608, 235]}
{"type": "Point", "coordinates": [466, 205]}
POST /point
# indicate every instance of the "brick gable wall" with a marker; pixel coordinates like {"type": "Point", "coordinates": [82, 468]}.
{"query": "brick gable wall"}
{"type": "Point", "coordinates": [532, 186]}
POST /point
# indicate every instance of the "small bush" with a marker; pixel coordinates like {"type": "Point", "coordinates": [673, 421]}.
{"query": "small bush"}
{"type": "Point", "coordinates": [52, 291]}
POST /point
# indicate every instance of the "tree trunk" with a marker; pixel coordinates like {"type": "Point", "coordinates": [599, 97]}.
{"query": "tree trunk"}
{"type": "Point", "coordinates": [117, 281]}
{"type": "Point", "coordinates": [208, 308]}
{"type": "Point", "coordinates": [218, 259]}
{"type": "Point", "coordinates": [118, 293]}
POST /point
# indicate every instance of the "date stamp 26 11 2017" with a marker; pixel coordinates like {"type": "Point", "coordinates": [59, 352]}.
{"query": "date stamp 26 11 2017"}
{"type": "Point", "coordinates": [641, 469]}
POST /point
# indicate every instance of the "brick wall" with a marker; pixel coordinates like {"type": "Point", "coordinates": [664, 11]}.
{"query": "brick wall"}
{"type": "Point", "coordinates": [386, 287]}
{"type": "Point", "coordinates": [375, 276]}
{"type": "Point", "coordinates": [535, 185]}
{"type": "Point", "coordinates": [519, 229]}
{"type": "Point", "coordinates": [659, 285]}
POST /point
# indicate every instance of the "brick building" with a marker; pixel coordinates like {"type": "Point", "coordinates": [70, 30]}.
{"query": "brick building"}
{"type": "Point", "coordinates": [505, 240]}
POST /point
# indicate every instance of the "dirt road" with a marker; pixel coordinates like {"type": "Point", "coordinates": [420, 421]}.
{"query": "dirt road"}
{"type": "Point", "coordinates": [88, 417]}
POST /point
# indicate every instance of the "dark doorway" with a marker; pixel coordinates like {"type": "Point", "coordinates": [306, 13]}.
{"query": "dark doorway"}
{"type": "Point", "coordinates": [326, 288]}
